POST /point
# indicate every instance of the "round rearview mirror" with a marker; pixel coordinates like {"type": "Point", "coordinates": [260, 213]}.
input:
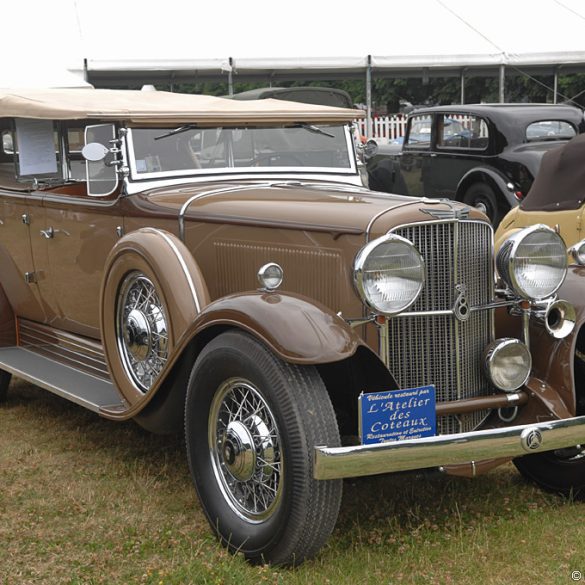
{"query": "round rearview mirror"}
{"type": "Point", "coordinates": [94, 152]}
{"type": "Point", "coordinates": [371, 148]}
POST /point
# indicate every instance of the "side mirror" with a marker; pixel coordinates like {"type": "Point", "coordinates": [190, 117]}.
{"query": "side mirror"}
{"type": "Point", "coordinates": [371, 148]}
{"type": "Point", "coordinates": [94, 152]}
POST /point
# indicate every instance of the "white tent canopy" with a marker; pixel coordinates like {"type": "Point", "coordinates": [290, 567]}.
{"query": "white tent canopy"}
{"type": "Point", "coordinates": [147, 41]}
{"type": "Point", "coordinates": [309, 36]}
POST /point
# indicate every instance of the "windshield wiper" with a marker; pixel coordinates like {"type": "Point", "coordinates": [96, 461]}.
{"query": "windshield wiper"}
{"type": "Point", "coordinates": [178, 130]}
{"type": "Point", "coordinates": [316, 130]}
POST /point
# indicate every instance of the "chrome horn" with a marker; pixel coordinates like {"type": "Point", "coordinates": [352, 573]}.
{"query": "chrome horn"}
{"type": "Point", "coordinates": [559, 319]}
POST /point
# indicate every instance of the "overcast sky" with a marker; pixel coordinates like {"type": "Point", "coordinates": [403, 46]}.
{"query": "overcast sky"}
{"type": "Point", "coordinates": [66, 31]}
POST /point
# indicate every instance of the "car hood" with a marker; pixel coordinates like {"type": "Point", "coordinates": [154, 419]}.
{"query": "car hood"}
{"type": "Point", "coordinates": [315, 206]}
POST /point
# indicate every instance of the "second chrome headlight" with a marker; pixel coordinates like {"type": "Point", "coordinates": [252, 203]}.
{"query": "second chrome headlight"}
{"type": "Point", "coordinates": [389, 274]}
{"type": "Point", "coordinates": [533, 262]}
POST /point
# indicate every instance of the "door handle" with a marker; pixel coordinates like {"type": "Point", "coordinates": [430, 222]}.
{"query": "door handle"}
{"type": "Point", "coordinates": [50, 232]}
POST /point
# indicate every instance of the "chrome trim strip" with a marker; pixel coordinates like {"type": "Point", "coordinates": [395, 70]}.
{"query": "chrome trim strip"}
{"type": "Point", "coordinates": [232, 170]}
{"type": "Point", "coordinates": [352, 180]}
{"type": "Point", "coordinates": [340, 462]}
{"type": "Point", "coordinates": [216, 191]}
{"type": "Point", "coordinates": [182, 263]}
{"type": "Point", "coordinates": [387, 210]}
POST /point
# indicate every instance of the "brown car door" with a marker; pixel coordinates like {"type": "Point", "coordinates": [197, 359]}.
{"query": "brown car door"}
{"type": "Point", "coordinates": [18, 210]}
{"type": "Point", "coordinates": [78, 233]}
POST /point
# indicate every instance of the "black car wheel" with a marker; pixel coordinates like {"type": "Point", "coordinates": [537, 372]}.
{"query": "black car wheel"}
{"type": "Point", "coordinates": [561, 471]}
{"type": "Point", "coordinates": [483, 197]}
{"type": "Point", "coordinates": [251, 422]}
{"type": "Point", "coordinates": [4, 382]}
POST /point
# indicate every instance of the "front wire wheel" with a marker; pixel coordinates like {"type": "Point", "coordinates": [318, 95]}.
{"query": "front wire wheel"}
{"type": "Point", "coordinates": [251, 423]}
{"type": "Point", "coordinates": [245, 447]}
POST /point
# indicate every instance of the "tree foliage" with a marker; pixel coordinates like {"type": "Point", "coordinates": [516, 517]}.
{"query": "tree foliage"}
{"type": "Point", "coordinates": [389, 94]}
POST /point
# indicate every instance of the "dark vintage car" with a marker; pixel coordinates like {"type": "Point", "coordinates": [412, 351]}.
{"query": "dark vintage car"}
{"type": "Point", "coordinates": [213, 267]}
{"type": "Point", "coordinates": [321, 96]}
{"type": "Point", "coordinates": [483, 155]}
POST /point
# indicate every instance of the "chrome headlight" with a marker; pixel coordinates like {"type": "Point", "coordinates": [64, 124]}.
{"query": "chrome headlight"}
{"type": "Point", "coordinates": [578, 252]}
{"type": "Point", "coordinates": [389, 274]}
{"type": "Point", "coordinates": [533, 262]}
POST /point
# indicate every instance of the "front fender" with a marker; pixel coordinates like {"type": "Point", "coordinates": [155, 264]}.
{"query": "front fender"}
{"type": "Point", "coordinates": [553, 359]}
{"type": "Point", "coordinates": [297, 329]}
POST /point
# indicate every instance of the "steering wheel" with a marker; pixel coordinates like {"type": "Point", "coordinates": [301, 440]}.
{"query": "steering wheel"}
{"type": "Point", "coordinates": [282, 160]}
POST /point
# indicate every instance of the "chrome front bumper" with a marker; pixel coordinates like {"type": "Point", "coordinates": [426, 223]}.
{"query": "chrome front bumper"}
{"type": "Point", "coordinates": [339, 462]}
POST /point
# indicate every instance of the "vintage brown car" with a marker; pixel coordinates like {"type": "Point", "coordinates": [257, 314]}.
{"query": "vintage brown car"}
{"type": "Point", "coordinates": [214, 267]}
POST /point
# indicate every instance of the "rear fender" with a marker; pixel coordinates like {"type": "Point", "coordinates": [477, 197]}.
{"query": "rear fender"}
{"type": "Point", "coordinates": [167, 262]}
{"type": "Point", "coordinates": [490, 176]}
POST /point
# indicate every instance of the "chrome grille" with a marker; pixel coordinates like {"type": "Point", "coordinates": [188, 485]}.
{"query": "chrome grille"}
{"type": "Point", "coordinates": [439, 349]}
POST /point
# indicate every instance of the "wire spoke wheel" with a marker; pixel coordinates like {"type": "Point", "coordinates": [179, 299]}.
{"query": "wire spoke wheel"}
{"type": "Point", "coordinates": [141, 330]}
{"type": "Point", "coordinates": [244, 443]}
{"type": "Point", "coordinates": [251, 424]}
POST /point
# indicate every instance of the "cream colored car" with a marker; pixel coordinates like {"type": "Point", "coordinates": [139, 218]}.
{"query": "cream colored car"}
{"type": "Point", "coordinates": [556, 199]}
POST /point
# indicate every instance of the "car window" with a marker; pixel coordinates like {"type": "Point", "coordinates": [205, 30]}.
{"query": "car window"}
{"type": "Point", "coordinates": [550, 130]}
{"type": "Point", "coordinates": [419, 134]}
{"type": "Point", "coordinates": [75, 142]}
{"type": "Point", "coordinates": [462, 131]}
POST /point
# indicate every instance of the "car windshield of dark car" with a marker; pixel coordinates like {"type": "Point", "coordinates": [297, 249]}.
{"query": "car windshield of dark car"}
{"type": "Point", "coordinates": [172, 151]}
{"type": "Point", "coordinates": [550, 130]}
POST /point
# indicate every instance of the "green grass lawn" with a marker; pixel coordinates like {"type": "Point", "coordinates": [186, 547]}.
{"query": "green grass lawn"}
{"type": "Point", "coordinates": [86, 500]}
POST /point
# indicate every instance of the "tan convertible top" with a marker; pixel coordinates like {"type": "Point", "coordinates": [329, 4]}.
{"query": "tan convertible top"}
{"type": "Point", "coordinates": [160, 107]}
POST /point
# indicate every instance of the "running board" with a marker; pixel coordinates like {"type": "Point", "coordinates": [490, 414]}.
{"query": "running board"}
{"type": "Point", "coordinates": [84, 389]}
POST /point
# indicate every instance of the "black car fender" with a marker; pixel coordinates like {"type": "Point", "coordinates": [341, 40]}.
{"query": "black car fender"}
{"type": "Point", "coordinates": [490, 176]}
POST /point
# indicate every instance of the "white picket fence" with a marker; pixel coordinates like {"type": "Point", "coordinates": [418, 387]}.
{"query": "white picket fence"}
{"type": "Point", "coordinates": [385, 128]}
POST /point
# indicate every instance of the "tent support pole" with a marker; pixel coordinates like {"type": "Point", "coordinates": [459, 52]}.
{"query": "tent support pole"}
{"type": "Point", "coordinates": [556, 85]}
{"type": "Point", "coordinates": [369, 96]}
{"type": "Point", "coordinates": [462, 86]}
{"type": "Point", "coordinates": [502, 83]}
{"type": "Point", "coordinates": [231, 78]}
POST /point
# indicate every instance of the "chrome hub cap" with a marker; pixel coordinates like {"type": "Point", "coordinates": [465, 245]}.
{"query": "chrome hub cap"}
{"type": "Point", "coordinates": [244, 444]}
{"type": "Point", "coordinates": [137, 335]}
{"type": "Point", "coordinates": [239, 453]}
{"type": "Point", "coordinates": [141, 330]}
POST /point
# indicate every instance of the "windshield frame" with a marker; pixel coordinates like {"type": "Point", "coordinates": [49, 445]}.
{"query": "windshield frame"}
{"type": "Point", "coordinates": [135, 176]}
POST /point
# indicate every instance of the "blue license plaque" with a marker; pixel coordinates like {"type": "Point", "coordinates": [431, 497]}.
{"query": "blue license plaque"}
{"type": "Point", "coordinates": [397, 415]}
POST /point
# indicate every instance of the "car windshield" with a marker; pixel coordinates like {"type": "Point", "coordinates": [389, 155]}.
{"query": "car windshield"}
{"type": "Point", "coordinates": [186, 150]}
{"type": "Point", "coordinates": [550, 130]}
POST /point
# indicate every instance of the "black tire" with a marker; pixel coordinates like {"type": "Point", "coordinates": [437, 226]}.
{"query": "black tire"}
{"type": "Point", "coordinates": [294, 513]}
{"type": "Point", "coordinates": [561, 471]}
{"type": "Point", "coordinates": [4, 382]}
{"type": "Point", "coordinates": [482, 196]}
